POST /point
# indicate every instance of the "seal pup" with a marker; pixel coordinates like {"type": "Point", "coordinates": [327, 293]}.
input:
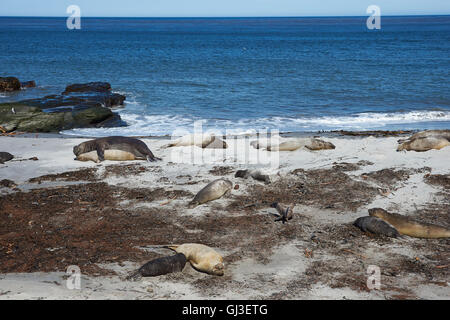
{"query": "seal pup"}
{"type": "Point", "coordinates": [125, 148]}
{"type": "Point", "coordinates": [201, 257]}
{"type": "Point", "coordinates": [201, 140]}
{"type": "Point", "coordinates": [377, 226]}
{"type": "Point", "coordinates": [213, 190]}
{"type": "Point", "coordinates": [284, 214]}
{"type": "Point", "coordinates": [161, 266]}
{"type": "Point", "coordinates": [5, 156]}
{"type": "Point", "coordinates": [410, 227]}
{"type": "Point", "coordinates": [255, 174]}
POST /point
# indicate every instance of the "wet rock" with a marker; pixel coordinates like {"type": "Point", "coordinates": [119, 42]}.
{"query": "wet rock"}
{"type": "Point", "coordinates": [8, 84]}
{"type": "Point", "coordinates": [28, 84]}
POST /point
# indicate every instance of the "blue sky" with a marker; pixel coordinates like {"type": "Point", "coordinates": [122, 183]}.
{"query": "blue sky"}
{"type": "Point", "coordinates": [221, 8]}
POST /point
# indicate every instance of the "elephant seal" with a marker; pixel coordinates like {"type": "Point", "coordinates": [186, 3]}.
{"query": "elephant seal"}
{"type": "Point", "coordinates": [266, 142]}
{"type": "Point", "coordinates": [120, 148]}
{"type": "Point", "coordinates": [201, 257]}
{"type": "Point", "coordinates": [201, 140]}
{"type": "Point", "coordinates": [212, 191]}
{"type": "Point", "coordinates": [424, 144]}
{"type": "Point", "coordinates": [5, 156]}
{"type": "Point", "coordinates": [377, 226]}
{"type": "Point", "coordinates": [430, 133]}
{"type": "Point", "coordinates": [285, 214]}
{"type": "Point", "coordinates": [217, 144]}
{"type": "Point", "coordinates": [255, 174]}
{"type": "Point", "coordinates": [410, 227]}
{"type": "Point", "coordinates": [161, 266]}
{"type": "Point", "coordinates": [295, 144]}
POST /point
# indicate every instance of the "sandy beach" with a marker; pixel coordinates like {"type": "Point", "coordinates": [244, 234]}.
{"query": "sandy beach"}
{"type": "Point", "coordinates": [110, 218]}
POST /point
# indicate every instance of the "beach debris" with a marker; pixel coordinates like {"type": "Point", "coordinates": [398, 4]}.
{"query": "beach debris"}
{"type": "Point", "coordinates": [284, 214]}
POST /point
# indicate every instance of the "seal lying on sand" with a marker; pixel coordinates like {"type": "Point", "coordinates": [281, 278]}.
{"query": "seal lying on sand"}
{"type": "Point", "coordinates": [295, 144]}
{"type": "Point", "coordinates": [160, 266]}
{"type": "Point", "coordinates": [201, 257]}
{"type": "Point", "coordinates": [217, 144]}
{"type": "Point", "coordinates": [201, 140]}
{"type": "Point", "coordinates": [255, 174]}
{"type": "Point", "coordinates": [5, 156]}
{"type": "Point", "coordinates": [426, 140]}
{"type": "Point", "coordinates": [410, 227]}
{"type": "Point", "coordinates": [113, 148]}
{"type": "Point", "coordinates": [377, 226]}
{"type": "Point", "coordinates": [212, 191]}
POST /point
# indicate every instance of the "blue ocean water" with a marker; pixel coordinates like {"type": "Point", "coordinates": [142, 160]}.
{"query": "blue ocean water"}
{"type": "Point", "coordinates": [239, 74]}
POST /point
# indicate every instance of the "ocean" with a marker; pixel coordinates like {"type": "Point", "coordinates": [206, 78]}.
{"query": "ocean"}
{"type": "Point", "coordinates": [237, 75]}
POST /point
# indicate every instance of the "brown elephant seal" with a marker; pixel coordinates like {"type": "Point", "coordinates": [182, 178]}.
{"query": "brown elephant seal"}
{"type": "Point", "coordinates": [5, 156]}
{"type": "Point", "coordinates": [255, 174]}
{"type": "Point", "coordinates": [201, 140]}
{"type": "Point", "coordinates": [201, 257]}
{"type": "Point", "coordinates": [295, 144]}
{"type": "Point", "coordinates": [424, 144]}
{"type": "Point", "coordinates": [377, 226]}
{"type": "Point", "coordinates": [119, 148]}
{"type": "Point", "coordinates": [410, 227]}
{"type": "Point", "coordinates": [212, 191]}
{"type": "Point", "coordinates": [161, 266]}
{"type": "Point", "coordinates": [430, 133]}
{"type": "Point", "coordinates": [284, 214]}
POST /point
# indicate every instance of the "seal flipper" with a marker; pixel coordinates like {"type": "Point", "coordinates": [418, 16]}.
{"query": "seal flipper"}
{"type": "Point", "coordinates": [100, 153]}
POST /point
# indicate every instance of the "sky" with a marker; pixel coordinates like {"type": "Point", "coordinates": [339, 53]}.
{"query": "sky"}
{"type": "Point", "coordinates": [221, 8]}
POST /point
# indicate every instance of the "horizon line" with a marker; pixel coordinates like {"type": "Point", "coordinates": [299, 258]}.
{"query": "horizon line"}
{"type": "Point", "coordinates": [234, 17]}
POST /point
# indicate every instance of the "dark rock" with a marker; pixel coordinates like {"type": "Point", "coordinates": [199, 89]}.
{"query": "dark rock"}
{"type": "Point", "coordinates": [88, 87]}
{"type": "Point", "coordinates": [76, 109]}
{"type": "Point", "coordinates": [5, 156]}
{"type": "Point", "coordinates": [28, 84]}
{"type": "Point", "coordinates": [8, 84]}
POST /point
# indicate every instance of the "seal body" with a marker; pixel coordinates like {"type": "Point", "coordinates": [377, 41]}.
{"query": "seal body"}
{"type": "Point", "coordinates": [201, 257]}
{"type": "Point", "coordinates": [164, 265]}
{"type": "Point", "coordinates": [5, 156]}
{"type": "Point", "coordinates": [217, 144]}
{"type": "Point", "coordinates": [124, 144]}
{"type": "Point", "coordinates": [212, 191]}
{"type": "Point", "coordinates": [201, 140]}
{"type": "Point", "coordinates": [113, 155]}
{"type": "Point", "coordinates": [255, 174]}
{"type": "Point", "coordinates": [377, 226]}
{"type": "Point", "coordinates": [426, 140]}
{"type": "Point", "coordinates": [295, 144]}
{"type": "Point", "coordinates": [410, 227]}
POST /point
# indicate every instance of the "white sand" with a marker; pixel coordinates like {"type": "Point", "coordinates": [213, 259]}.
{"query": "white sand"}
{"type": "Point", "coordinates": [253, 280]}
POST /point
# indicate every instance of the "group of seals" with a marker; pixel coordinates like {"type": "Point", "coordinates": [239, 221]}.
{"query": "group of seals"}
{"type": "Point", "coordinates": [206, 140]}
{"type": "Point", "coordinates": [113, 148]}
{"type": "Point", "coordinates": [201, 257]}
{"type": "Point", "coordinates": [410, 227]}
{"type": "Point", "coordinates": [394, 225]}
{"type": "Point", "coordinates": [426, 140]}
{"type": "Point", "coordinates": [213, 190]}
{"type": "Point", "coordinates": [5, 156]}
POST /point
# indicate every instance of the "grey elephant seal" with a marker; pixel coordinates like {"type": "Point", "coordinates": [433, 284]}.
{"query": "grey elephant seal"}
{"type": "Point", "coordinates": [217, 144]}
{"type": "Point", "coordinates": [426, 140]}
{"type": "Point", "coordinates": [201, 257]}
{"type": "Point", "coordinates": [410, 227]}
{"type": "Point", "coordinates": [5, 156]}
{"type": "Point", "coordinates": [113, 148]}
{"type": "Point", "coordinates": [255, 174]}
{"type": "Point", "coordinates": [376, 226]}
{"type": "Point", "coordinates": [161, 266]}
{"type": "Point", "coordinates": [212, 191]}
{"type": "Point", "coordinates": [284, 214]}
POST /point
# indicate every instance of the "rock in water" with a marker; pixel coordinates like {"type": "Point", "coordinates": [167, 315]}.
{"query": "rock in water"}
{"type": "Point", "coordinates": [8, 84]}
